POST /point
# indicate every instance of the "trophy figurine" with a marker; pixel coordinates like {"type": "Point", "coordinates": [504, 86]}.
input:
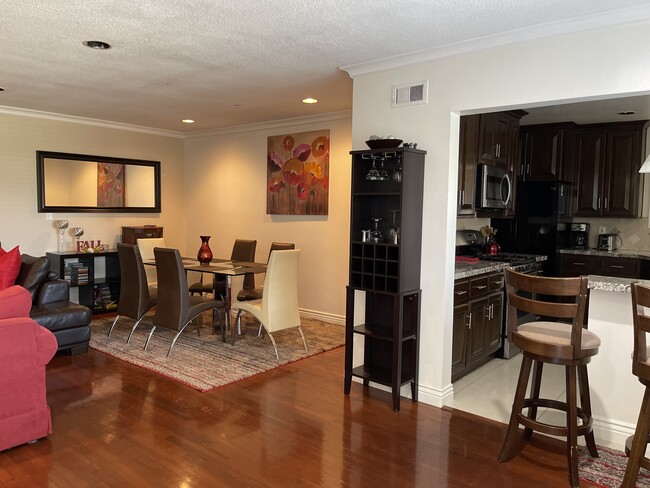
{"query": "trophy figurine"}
{"type": "Point", "coordinates": [78, 232]}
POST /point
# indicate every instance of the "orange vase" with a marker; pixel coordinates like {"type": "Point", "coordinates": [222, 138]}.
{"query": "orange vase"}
{"type": "Point", "coordinates": [205, 253]}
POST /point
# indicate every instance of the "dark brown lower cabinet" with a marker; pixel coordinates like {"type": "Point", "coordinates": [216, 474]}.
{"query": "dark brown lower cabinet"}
{"type": "Point", "coordinates": [586, 264]}
{"type": "Point", "coordinates": [478, 318]}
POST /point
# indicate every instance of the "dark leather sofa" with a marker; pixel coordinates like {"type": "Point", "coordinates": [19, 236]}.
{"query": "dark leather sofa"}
{"type": "Point", "coordinates": [51, 305]}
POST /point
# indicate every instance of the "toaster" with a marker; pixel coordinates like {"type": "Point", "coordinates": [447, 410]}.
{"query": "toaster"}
{"type": "Point", "coordinates": [607, 242]}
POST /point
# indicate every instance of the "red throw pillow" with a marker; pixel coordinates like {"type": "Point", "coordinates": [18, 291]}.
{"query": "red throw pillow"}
{"type": "Point", "coordinates": [9, 267]}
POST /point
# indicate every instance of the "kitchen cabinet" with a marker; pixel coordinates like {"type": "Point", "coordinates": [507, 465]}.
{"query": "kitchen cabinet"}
{"type": "Point", "coordinates": [608, 158]}
{"type": "Point", "coordinates": [95, 277]}
{"type": "Point", "coordinates": [384, 279]}
{"type": "Point", "coordinates": [467, 159]}
{"type": "Point", "coordinates": [491, 139]}
{"type": "Point", "coordinates": [546, 152]}
{"type": "Point", "coordinates": [588, 264]}
{"type": "Point", "coordinates": [477, 322]}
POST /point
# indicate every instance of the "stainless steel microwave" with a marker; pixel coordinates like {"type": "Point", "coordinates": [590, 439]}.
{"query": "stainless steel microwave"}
{"type": "Point", "coordinates": [493, 187]}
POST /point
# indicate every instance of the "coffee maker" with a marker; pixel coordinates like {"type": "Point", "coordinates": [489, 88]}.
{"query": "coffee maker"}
{"type": "Point", "coordinates": [579, 236]}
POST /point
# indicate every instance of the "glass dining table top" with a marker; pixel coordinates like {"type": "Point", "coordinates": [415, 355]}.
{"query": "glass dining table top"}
{"type": "Point", "coordinates": [219, 266]}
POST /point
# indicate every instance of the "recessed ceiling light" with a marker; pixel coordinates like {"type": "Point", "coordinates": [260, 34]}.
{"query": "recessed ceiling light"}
{"type": "Point", "coordinates": [627, 112]}
{"type": "Point", "coordinates": [187, 121]}
{"type": "Point", "coordinates": [101, 45]}
{"type": "Point", "coordinates": [309, 100]}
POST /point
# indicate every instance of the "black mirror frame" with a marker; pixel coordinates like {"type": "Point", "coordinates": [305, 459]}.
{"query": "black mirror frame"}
{"type": "Point", "coordinates": [40, 179]}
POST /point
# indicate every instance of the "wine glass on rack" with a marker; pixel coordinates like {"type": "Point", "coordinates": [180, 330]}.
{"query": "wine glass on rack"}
{"type": "Point", "coordinates": [397, 173]}
{"type": "Point", "coordinates": [375, 234]}
{"type": "Point", "coordinates": [383, 174]}
{"type": "Point", "coordinates": [393, 231]}
{"type": "Point", "coordinates": [373, 174]}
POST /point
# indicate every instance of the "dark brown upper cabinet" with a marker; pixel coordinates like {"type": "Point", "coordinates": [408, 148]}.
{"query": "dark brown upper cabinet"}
{"type": "Point", "coordinates": [547, 152]}
{"type": "Point", "coordinates": [607, 162]}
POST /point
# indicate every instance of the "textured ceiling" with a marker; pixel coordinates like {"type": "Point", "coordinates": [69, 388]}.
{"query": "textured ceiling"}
{"type": "Point", "coordinates": [225, 63]}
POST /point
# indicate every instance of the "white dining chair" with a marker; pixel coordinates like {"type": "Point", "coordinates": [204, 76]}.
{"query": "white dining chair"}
{"type": "Point", "coordinates": [278, 307]}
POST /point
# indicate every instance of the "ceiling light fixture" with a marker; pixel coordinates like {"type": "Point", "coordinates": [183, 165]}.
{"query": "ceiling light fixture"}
{"type": "Point", "coordinates": [309, 100]}
{"type": "Point", "coordinates": [187, 121]}
{"type": "Point", "coordinates": [627, 112]}
{"type": "Point", "coordinates": [101, 45]}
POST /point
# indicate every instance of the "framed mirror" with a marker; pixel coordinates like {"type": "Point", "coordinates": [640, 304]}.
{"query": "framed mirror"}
{"type": "Point", "coordinates": [84, 183]}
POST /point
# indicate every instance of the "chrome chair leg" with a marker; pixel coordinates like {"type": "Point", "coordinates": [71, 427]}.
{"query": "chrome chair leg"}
{"type": "Point", "coordinates": [176, 337]}
{"type": "Point", "coordinates": [259, 332]}
{"type": "Point", "coordinates": [303, 338]}
{"type": "Point", "coordinates": [146, 344]}
{"type": "Point", "coordinates": [133, 329]}
{"type": "Point", "coordinates": [239, 321]}
{"type": "Point", "coordinates": [111, 329]}
{"type": "Point", "coordinates": [274, 345]}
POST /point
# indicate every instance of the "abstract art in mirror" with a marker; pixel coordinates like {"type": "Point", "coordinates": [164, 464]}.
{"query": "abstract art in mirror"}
{"type": "Point", "coordinates": [298, 173]}
{"type": "Point", "coordinates": [84, 183]}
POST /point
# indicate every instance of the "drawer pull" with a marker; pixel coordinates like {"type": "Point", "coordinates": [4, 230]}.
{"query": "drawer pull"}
{"type": "Point", "coordinates": [469, 321]}
{"type": "Point", "coordinates": [460, 292]}
{"type": "Point", "coordinates": [480, 287]}
{"type": "Point", "coordinates": [498, 282]}
{"type": "Point", "coordinates": [579, 264]}
{"type": "Point", "coordinates": [616, 266]}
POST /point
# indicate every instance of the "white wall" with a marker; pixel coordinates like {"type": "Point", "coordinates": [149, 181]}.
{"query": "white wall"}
{"type": "Point", "coordinates": [20, 223]}
{"type": "Point", "coordinates": [226, 199]}
{"type": "Point", "coordinates": [591, 64]}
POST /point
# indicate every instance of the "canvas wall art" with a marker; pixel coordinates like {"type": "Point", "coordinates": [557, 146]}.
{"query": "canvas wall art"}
{"type": "Point", "coordinates": [110, 185]}
{"type": "Point", "coordinates": [298, 173]}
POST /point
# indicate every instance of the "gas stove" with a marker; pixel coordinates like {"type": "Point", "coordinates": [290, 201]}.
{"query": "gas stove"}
{"type": "Point", "coordinates": [507, 257]}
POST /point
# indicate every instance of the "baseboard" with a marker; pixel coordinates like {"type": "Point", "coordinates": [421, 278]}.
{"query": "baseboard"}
{"type": "Point", "coordinates": [438, 397]}
{"type": "Point", "coordinates": [612, 433]}
{"type": "Point", "coordinates": [330, 318]}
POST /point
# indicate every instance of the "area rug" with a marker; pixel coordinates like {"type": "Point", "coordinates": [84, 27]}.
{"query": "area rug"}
{"type": "Point", "coordinates": [204, 362]}
{"type": "Point", "coordinates": [608, 469]}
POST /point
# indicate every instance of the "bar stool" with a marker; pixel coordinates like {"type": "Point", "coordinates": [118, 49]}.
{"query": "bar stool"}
{"type": "Point", "coordinates": [555, 336]}
{"type": "Point", "coordinates": [635, 445]}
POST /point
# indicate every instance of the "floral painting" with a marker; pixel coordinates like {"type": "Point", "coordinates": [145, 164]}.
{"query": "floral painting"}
{"type": "Point", "coordinates": [110, 185]}
{"type": "Point", "coordinates": [298, 173]}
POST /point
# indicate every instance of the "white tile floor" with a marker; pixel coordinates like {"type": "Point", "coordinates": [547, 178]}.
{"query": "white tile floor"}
{"type": "Point", "coordinates": [488, 391]}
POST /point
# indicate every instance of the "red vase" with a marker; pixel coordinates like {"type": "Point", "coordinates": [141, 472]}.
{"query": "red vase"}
{"type": "Point", "coordinates": [205, 253]}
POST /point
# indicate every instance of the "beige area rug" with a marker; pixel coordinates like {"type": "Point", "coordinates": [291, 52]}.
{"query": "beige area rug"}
{"type": "Point", "coordinates": [204, 362]}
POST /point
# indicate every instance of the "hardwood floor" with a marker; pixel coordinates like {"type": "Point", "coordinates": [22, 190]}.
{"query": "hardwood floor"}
{"type": "Point", "coordinates": [117, 425]}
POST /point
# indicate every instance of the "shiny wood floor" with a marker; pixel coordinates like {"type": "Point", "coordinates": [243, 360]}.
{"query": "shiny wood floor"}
{"type": "Point", "coordinates": [118, 425]}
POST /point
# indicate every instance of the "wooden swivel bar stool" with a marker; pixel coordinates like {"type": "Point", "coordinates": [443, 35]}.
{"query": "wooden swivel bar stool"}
{"type": "Point", "coordinates": [635, 445]}
{"type": "Point", "coordinates": [556, 336]}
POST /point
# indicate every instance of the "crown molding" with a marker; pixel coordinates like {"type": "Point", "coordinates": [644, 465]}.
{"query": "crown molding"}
{"type": "Point", "coordinates": [88, 121]}
{"type": "Point", "coordinates": [609, 18]}
{"type": "Point", "coordinates": [273, 124]}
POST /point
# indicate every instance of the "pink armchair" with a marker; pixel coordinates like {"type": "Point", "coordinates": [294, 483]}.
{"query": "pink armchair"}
{"type": "Point", "coordinates": [25, 349]}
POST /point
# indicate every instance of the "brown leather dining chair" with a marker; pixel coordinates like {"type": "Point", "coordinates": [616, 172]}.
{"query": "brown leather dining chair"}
{"type": "Point", "coordinates": [136, 297]}
{"type": "Point", "coordinates": [176, 308]}
{"type": "Point", "coordinates": [242, 250]}
{"type": "Point", "coordinates": [556, 337]}
{"type": "Point", "coordinates": [635, 446]}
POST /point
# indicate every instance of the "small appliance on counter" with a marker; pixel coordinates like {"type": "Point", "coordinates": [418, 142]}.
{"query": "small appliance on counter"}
{"type": "Point", "coordinates": [609, 242]}
{"type": "Point", "coordinates": [579, 236]}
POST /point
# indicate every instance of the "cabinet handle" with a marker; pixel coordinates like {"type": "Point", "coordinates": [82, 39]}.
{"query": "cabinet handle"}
{"type": "Point", "coordinates": [598, 206]}
{"type": "Point", "coordinates": [460, 292]}
{"type": "Point", "coordinates": [491, 311]}
{"type": "Point", "coordinates": [521, 169]}
{"type": "Point", "coordinates": [606, 206]}
{"type": "Point", "coordinates": [528, 169]}
{"type": "Point", "coordinates": [616, 266]}
{"type": "Point", "coordinates": [469, 321]}
{"type": "Point", "coordinates": [498, 282]}
{"type": "Point", "coordinates": [462, 196]}
{"type": "Point", "coordinates": [480, 287]}
{"type": "Point", "coordinates": [579, 264]}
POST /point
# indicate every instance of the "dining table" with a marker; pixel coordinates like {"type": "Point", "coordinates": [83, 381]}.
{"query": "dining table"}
{"type": "Point", "coordinates": [221, 267]}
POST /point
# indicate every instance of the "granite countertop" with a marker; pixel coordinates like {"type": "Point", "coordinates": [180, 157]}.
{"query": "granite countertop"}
{"type": "Point", "coordinates": [621, 253]}
{"type": "Point", "coordinates": [467, 270]}
{"type": "Point", "coordinates": [611, 283]}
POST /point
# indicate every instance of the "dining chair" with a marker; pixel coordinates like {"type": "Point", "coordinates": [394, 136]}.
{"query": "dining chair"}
{"type": "Point", "coordinates": [176, 308]}
{"type": "Point", "coordinates": [242, 250]}
{"type": "Point", "coordinates": [635, 446]}
{"type": "Point", "coordinates": [278, 307]}
{"type": "Point", "coordinates": [556, 336]}
{"type": "Point", "coordinates": [256, 293]}
{"type": "Point", "coordinates": [146, 251]}
{"type": "Point", "coordinates": [136, 297]}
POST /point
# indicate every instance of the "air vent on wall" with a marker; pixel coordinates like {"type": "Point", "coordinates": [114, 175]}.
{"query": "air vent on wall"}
{"type": "Point", "coordinates": [410, 94]}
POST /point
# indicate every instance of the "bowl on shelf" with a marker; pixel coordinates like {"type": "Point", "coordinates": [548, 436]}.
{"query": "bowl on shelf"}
{"type": "Point", "coordinates": [383, 143]}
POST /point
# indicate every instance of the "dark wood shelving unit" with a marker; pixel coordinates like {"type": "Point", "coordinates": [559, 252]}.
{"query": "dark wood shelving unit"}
{"type": "Point", "coordinates": [100, 294]}
{"type": "Point", "coordinates": [387, 273]}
